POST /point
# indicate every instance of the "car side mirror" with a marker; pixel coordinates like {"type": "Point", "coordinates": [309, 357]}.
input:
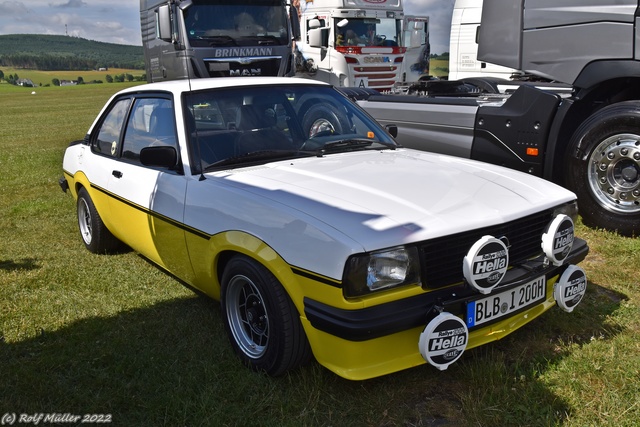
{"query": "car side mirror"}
{"type": "Point", "coordinates": [162, 157]}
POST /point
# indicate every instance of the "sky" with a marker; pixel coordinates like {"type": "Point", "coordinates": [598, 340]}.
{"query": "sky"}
{"type": "Point", "coordinates": [118, 21]}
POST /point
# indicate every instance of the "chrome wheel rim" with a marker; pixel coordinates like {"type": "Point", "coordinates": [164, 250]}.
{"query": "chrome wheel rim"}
{"type": "Point", "coordinates": [614, 173]}
{"type": "Point", "coordinates": [247, 316]}
{"type": "Point", "coordinates": [84, 221]}
{"type": "Point", "coordinates": [321, 125]}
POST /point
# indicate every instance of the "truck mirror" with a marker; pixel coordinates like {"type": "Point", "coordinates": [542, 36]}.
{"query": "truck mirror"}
{"type": "Point", "coordinates": [319, 37]}
{"type": "Point", "coordinates": [418, 25]}
{"type": "Point", "coordinates": [163, 23]}
{"type": "Point", "coordinates": [392, 129]}
{"type": "Point", "coordinates": [314, 24]}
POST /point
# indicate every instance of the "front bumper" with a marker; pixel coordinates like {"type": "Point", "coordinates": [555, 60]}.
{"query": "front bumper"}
{"type": "Point", "coordinates": [379, 340]}
{"type": "Point", "coordinates": [397, 316]}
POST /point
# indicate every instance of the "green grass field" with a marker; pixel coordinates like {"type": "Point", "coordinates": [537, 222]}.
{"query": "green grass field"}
{"type": "Point", "coordinates": [83, 333]}
{"type": "Point", "coordinates": [42, 78]}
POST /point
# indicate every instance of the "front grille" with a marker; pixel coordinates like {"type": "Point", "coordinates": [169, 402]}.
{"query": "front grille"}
{"type": "Point", "coordinates": [265, 67]}
{"type": "Point", "coordinates": [442, 258]}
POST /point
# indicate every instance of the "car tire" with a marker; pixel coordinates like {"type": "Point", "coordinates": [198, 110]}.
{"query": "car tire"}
{"type": "Point", "coordinates": [604, 168]}
{"type": "Point", "coordinates": [322, 118]}
{"type": "Point", "coordinates": [95, 235]}
{"type": "Point", "coordinates": [261, 321]}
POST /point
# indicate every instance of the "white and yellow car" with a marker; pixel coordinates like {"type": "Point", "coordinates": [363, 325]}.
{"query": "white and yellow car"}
{"type": "Point", "coordinates": [320, 235]}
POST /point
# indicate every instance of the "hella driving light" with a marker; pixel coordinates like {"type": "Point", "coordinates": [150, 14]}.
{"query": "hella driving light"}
{"type": "Point", "coordinates": [486, 263]}
{"type": "Point", "coordinates": [557, 240]}
{"type": "Point", "coordinates": [443, 340]}
{"type": "Point", "coordinates": [375, 271]}
{"type": "Point", "coordinates": [570, 288]}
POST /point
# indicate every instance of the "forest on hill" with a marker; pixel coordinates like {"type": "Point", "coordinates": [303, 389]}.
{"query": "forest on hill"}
{"type": "Point", "coordinates": [55, 52]}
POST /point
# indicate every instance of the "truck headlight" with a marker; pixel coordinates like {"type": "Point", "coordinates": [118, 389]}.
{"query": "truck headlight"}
{"type": "Point", "coordinates": [366, 273]}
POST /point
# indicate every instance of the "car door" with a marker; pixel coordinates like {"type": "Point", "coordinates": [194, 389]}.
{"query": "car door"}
{"type": "Point", "coordinates": [146, 204]}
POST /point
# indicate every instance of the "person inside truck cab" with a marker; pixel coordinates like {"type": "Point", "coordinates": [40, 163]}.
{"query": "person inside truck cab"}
{"type": "Point", "coordinates": [352, 39]}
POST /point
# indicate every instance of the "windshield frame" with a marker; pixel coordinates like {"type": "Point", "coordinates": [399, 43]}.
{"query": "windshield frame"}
{"type": "Point", "coordinates": [367, 32]}
{"type": "Point", "coordinates": [213, 117]}
{"type": "Point", "coordinates": [232, 23]}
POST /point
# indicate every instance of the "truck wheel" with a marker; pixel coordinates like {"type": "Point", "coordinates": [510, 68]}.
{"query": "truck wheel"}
{"type": "Point", "coordinates": [604, 168]}
{"type": "Point", "coordinates": [95, 235]}
{"type": "Point", "coordinates": [324, 118]}
{"type": "Point", "coordinates": [261, 321]}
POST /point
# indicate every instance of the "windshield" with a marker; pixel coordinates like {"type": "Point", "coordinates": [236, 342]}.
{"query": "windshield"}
{"type": "Point", "coordinates": [235, 126]}
{"type": "Point", "coordinates": [236, 23]}
{"type": "Point", "coordinates": [368, 32]}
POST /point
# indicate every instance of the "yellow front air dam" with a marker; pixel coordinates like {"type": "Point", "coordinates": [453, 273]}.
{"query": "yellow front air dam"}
{"type": "Point", "coordinates": [361, 360]}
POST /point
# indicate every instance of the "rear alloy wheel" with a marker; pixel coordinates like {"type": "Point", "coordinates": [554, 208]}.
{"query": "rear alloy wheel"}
{"type": "Point", "coordinates": [95, 235]}
{"type": "Point", "coordinates": [262, 323]}
{"type": "Point", "coordinates": [604, 170]}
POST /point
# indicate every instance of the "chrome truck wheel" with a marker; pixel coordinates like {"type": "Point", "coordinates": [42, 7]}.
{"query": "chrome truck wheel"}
{"type": "Point", "coordinates": [604, 168]}
{"type": "Point", "coordinates": [614, 175]}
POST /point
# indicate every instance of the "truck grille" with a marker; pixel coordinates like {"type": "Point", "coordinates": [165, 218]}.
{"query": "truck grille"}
{"type": "Point", "coordinates": [442, 258]}
{"type": "Point", "coordinates": [380, 77]}
{"type": "Point", "coordinates": [265, 67]}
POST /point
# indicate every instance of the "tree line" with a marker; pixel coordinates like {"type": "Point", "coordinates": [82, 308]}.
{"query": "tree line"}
{"type": "Point", "coordinates": [14, 79]}
{"type": "Point", "coordinates": [51, 52]}
{"type": "Point", "coordinates": [60, 63]}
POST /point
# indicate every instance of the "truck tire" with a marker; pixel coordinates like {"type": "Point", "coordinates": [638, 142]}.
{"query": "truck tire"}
{"type": "Point", "coordinates": [604, 168]}
{"type": "Point", "coordinates": [324, 118]}
{"type": "Point", "coordinates": [261, 321]}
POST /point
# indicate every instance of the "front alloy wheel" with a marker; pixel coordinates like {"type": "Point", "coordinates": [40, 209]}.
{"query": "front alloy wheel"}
{"type": "Point", "coordinates": [261, 321]}
{"type": "Point", "coordinates": [247, 316]}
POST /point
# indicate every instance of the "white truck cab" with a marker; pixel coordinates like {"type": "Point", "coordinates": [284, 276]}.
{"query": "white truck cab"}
{"type": "Point", "coordinates": [463, 44]}
{"type": "Point", "coordinates": [352, 43]}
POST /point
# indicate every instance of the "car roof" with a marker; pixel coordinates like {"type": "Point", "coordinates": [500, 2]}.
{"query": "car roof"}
{"type": "Point", "coordinates": [187, 85]}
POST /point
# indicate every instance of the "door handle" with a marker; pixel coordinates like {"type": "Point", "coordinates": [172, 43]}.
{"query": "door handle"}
{"type": "Point", "coordinates": [117, 174]}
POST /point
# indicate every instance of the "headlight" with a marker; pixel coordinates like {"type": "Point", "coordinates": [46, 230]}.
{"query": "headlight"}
{"type": "Point", "coordinates": [569, 209]}
{"type": "Point", "coordinates": [366, 273]}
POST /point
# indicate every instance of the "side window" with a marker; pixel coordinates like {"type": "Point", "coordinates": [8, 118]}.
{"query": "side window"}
{"type": "Point", "coordinates": [109, 135]}
{"type": "Point", "coordinates": [151, 123]}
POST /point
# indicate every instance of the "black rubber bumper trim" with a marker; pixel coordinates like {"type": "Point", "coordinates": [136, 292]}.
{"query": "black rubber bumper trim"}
{"type": "Point", "coordinates": [408, 313]}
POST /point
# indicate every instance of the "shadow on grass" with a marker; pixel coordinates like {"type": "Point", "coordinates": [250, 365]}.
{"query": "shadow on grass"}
{"type": "Point", "coordinates": [171, 364]}
{"type": "Point", "coordinates": [20, 264]}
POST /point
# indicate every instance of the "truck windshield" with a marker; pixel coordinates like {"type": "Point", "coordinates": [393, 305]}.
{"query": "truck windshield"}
{"type": "Point", "coordinates": [368, 32]}
{"type": "Point", "coordinates": [236, 23]}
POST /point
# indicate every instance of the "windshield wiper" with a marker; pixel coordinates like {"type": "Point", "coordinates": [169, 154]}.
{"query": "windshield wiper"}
{"type": "Point", "coordinates": [256, 156]}
{"type": "Point", "coordinates": [219, 40]}
{"type": "Point", "coordinates": [264, 39]}
{"type": "Point", "coordinates": [351, 144]}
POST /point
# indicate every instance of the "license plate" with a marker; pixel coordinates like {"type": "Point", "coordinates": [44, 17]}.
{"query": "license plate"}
{"type": "Point", "coordinates": [500, 305]}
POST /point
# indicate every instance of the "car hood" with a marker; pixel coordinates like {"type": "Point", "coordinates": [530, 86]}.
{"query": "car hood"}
{"type": "Point", "coordinates": [390, 197]}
